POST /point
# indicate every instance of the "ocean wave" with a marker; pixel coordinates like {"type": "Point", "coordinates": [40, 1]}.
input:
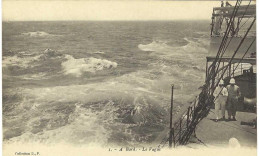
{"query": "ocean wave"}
{"type": "Point", "coordinates": [190, 48]}
{"type": "Point", "coordinates": [37, 34]}
{"type": "Point", "coordinates": [99, 52]}
{"type": "Point", "coordinates": [80, 126]}
{"type": "Point", "coordinates": [85, 114]}
{"type": "Point", "coordinates": [25, 59]}
{"type": "Point", "coordinates": [77, 67]}
{"type": "Point", "coordinates": [38, 76]}
{"type": "Point", "coordinates": [154, 46]}
{"type": "Point", "coordinates": [126, 109]}
{"type": "Point", "coordinates": [200, 46]}
{"type": "Point", "coordinates": [23, 62]}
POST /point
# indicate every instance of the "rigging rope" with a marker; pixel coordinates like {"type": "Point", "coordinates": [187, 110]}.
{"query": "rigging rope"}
{"type": "Point", "coordinates": [245, 53]}
{"type": "Point", "coordinates": [236, 52]}
{"type": "Point", "coordinates": [223, 43]}
{"type": "Point", "coordinates": [236, 30]}
{"type": "Point", "coordinates": [203, 106]}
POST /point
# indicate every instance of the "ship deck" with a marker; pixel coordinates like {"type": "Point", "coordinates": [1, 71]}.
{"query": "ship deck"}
{"type": "Point", "coordinates": [217, 134]}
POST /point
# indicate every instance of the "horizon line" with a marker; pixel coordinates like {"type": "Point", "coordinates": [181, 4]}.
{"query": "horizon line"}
{"type": "Point", "coordinates": [157, 20]}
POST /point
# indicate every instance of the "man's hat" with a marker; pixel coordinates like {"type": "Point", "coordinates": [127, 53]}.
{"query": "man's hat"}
{"type": "Point", "coordinates": [232, 81]}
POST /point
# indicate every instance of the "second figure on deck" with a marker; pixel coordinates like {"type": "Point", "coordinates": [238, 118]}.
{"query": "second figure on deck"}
{"type": "Point", "coordinates": [232, 101]}
{"type": "Point", "coordinates": [221, 95]}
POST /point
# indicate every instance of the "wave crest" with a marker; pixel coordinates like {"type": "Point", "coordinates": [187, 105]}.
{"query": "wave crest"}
{"type": "Point", "coordinates": [77, 67]}
{"type": "Point", "coordinates": [23, 62]}
{"type": "Point", "coordinates": [154, 46]}
{"type": "Point", "coordinates": [37, 34]}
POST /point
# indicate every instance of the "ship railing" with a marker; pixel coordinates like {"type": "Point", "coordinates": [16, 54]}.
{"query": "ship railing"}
{"type": "Point", "coordinates": [240, 34]}
{"type": "Point", "coordinates": [236, 70]}
{"type": "Point", "coordinates": [186, 120]}
{"type": "Point", "coordinates": [181, 126]}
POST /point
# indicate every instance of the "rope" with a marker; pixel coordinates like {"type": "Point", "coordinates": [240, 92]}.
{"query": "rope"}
{"type": "Point", "coordinates": [244, 15]}
{"type": "Point", "coordinates": [241, 42]}
{"type": "Point", "coordinates": [163, 140]}
{"type": "Point", "coordinates": [200, 140]}
{"type": "Point", "coordinates": [202, 109]}
{"type": "Point", "coordinates": [235, 54]}
{"type": "Point", "coordinates": [222, 48]}
{"type": "Point", "coordinates": [236, 30]}
{"type": "Point", "coordinates": [233, 36]}
{"type": "Point", "coordinates": [245, 53]}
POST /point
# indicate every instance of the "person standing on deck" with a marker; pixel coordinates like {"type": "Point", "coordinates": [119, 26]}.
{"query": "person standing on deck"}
{"type": "Point", "coordinates": [232, 100]}
{"type": "Point", "coordinates": [222, 3]}
{"type": "Point", "coordinates": [228, 4]}
{"type": "Point", "coordinates": [221, 95]}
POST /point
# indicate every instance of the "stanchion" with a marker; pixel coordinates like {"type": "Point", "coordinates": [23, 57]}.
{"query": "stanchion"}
{"type": "Point", "coordinates": [171, 129]}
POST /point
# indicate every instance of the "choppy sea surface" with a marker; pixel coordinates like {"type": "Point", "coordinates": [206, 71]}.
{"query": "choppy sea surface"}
{"type": "Point", "coordinates": [106, 83]}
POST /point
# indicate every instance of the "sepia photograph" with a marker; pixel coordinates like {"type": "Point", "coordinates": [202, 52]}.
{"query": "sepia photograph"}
{"type": "Point", "coordinates": [129, 77]}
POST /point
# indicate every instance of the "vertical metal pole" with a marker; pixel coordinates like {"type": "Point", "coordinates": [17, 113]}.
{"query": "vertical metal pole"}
{"type": "Point", "coordinates": [238, 22]}
{"type": "Point", "coordinates": [213, 80]}
{"type": "Point", "coordinates": [173, 137]}
{"type": "Point", "coordinates": [227, 73]}
{"type": "Point", "coordinates": [229, 70]}
{"type": "Point", "coordinates": [241, 69]}
{"type": "Point", "coordinates": [206, 71]}
{"type": "Point", "coordinates": [171, 129]}
{"type": "Point", "coordinates": [212, 23]}
{"type": "Point", "coordinates": [194, 113]}
{"type": "Point", "coordinates": [180, 131]}
{"type": "Point", "coordinates": [234, 70]}
{"type": "Point", "coordinates": [188, 117]}
{"type": "Point", "coordinates": [223, 64]}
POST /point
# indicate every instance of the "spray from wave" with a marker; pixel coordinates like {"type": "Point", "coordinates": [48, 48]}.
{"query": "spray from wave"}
{"type": "Point", "coordinates": [77, 67]}
{"type": "Point", "coordinates": [154, 46]}
{"type": "Point", "coordinates": [70, 65]}
{"type": "Point", "coordinates": [23, 62]}
{"type": "Point", "coordinates": [38, 34]}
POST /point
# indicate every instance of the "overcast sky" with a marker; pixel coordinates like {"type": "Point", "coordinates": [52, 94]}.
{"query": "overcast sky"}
{"type": "Point", "coordinates": [107, 10]}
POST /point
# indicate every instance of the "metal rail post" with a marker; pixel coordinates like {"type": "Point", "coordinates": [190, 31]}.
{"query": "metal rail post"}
{"type": "Point", "coordinates": [206, 70]}
{"type": "Point", "coordinates": [229, 68]}
{"type": "Point", "coordinates": [180, 131]}
{"type": "Point", "coordinates": [188, 117]}
{"type": "Point", "coordinates": [171, 129]}
{"type": "Point", "coordinates": [241, 69]}
{"type": "Point", "coordinates": [233, 69]}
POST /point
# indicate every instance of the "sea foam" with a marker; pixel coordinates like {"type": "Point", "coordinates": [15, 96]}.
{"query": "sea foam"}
{"type": "Point", "coordinates": [38, 34]}
{"type": "Point", "coordinates": [77, 67]}
{"type": "Point", "coordinates": [154, 46]}
{"type": "Point", "coordinates": [23, 62]}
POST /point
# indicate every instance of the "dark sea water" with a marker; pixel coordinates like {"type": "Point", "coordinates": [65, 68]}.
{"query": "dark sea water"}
{"type": "Point", "coordinates": [105, 83]}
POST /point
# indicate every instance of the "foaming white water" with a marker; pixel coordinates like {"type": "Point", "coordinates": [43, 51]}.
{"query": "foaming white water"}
{"type": "Point", "coordinates": [84, 127]}
{"type": "Point", "coordinates": [187, 54]}
{"type": "Point", "coordinates": [26, 59]}
{"type": "Point", "coordinates": [77, 67]}
{"type": "Point", "coordinates": [94, 117]}
{"type": "Point", "coordinates": [23, 62]}
{"type": "Point", "coordinates": [154, 46]}
{"type": "Point", "coordinates": [99, 52]}
{"type": "Point", "coordinates": [38, 76]}
{"type": "Point", "coordinates": [37, 34]}
{"type": "Point", "coordinates": [198, 47]}
{"type": "Point", "coordinates": [97, 104]}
